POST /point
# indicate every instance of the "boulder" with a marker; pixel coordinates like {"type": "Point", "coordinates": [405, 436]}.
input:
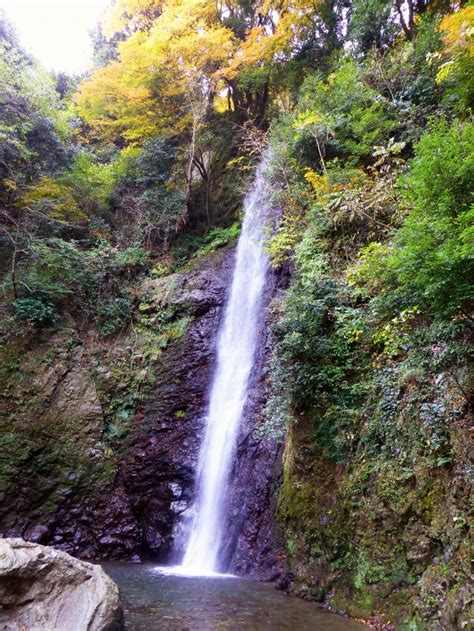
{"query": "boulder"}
{"type": "Point", "coordinates": [45, 589]}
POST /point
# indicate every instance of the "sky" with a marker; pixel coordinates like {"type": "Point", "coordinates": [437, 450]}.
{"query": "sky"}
{"type": "Point", "coordinates": [56, 32]}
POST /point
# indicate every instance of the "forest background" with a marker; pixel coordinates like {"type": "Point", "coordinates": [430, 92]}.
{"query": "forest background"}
{"type": "Point", "coordinates": [138, 168]}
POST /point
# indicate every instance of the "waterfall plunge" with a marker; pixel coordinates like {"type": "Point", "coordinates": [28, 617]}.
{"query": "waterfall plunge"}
{"type": "Point", "coordinates": [236, 346]}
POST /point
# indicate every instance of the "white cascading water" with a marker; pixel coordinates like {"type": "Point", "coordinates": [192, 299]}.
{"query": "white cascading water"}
{"type": "Point", "coordinates": [236, 347]}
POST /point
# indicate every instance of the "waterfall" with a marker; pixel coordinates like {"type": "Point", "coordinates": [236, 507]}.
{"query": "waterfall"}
{"type": "Point", "coordinates": [236, 347]}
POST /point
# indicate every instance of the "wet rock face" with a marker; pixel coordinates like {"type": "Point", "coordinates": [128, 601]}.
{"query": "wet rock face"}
{"type": "Point", "coordinates": [254, 546]}
{"type": "Point", "coordinates": [124, 498]}
{"type": "Point", "coordinates": [157, 474]}
{"type": "Point", "coordinates": [42, 588]}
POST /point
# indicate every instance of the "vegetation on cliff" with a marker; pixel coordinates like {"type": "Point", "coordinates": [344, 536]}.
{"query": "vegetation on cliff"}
{"type": "Point", "coordinates": [372, 341]}
{"type": "Point", "coordinates": [111, 183]}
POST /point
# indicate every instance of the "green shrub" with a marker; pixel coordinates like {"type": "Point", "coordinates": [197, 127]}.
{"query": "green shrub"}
{"type": "Point", "coordinates": [131, 260]}
{"type": "Point", "coordinates": [34, 311]}
{"type": "Point", "coordinates": [347, 114]}
{"type": "Point", "coordinates": [85, 281]}
{"type": "Point", "coordinates": [161, 197]}
{"type": "Point", "coordinates": [55, 269]}
{"type": "Point", "coordinates": [218, 237]}
{"type": "Point", "coordinates": [317, 369]}
{"type": "Point", "coordinates": [114, 315]}
{"type": "Point", "coordinates": [430, 261]}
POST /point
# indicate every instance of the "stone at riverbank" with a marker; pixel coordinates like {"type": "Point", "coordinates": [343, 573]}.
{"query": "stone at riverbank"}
{"type": "Point", "coordinates": [42, 588]}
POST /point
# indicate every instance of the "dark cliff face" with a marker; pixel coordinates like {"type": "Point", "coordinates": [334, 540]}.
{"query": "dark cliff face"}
{"type": "Point", "coordinates": [100, 495]}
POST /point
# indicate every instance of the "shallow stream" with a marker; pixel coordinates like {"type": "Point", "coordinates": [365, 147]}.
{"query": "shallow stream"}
{"type": "Point", "coordinates": [157, 602]}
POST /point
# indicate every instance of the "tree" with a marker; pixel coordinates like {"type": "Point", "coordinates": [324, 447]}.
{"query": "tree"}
{"type": "Point", "coordinates": [457, 31]}
{"type": "Point", "coordinates": [375, 23]}
{"type": "Point", "coordinates": [32, 122]}
{"type": "Point", "coordinates": [273, 35]}
{"type": "Point", "coordinates": [163, 72]}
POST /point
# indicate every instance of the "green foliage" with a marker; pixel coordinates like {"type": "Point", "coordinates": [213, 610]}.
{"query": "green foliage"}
{"type": "Point", "coordinates": [193, 245]}
{"type": "Point", "coordinates": [55, 270]}
{"type": "Point", "coordinates": [314, 355]}
{"type": "Point", "coordinates": [349, 139]}
{"type": "Point", "coordinates": [371, 24]}
{"type": "Point", "coordinates": [281, 245]}
{"type": "Point", "coordinates": [32, 128]}
{"type": "Point", "coordinates": [114, 315]}
{"type": "Point", "coordinates": [60, 275]}
{"type": "Point", "coordinates": [34, 311]}
{"type": "Point", "coordinates": [159, 196]}
{"type": "Point", "coordinates": [131, 260]}
{"type": "Point", "coordinates": [442, 170]}
{"type": "Point", "coordinates": [429, 263]}
{"type": "Point", "coordinates": [356, 117]}
{"type": "Point", "coordinates": [92, 183]}
{"type": "Point", "coordinates": [218, 238]}
{"type": "Point", "coordinates": [324, 339]}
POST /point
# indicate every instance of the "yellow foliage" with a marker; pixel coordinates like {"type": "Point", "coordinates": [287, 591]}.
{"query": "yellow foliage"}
{"type": "Point", "coordinates": [9, 185]}
{"type": "Point", "coordinates": [392, 337]}
{"type": "Point", "coordinates": [458, 31]}
{"type": "Point", "coordinates": [177, 54]}
{"type": "Point", "coordinates": [131, 14]}
{"type": "Point", "coordinates": [286, 23]}
{"type": "Point", "coordinates": [282, 244]}
{"type": "Point", "coordinates": [164, 73]}
{"type": "Point", "coordinates": [113, 106]}
{"type": "Point", "coordinates": [55, 200]}
{"type": "Point", "coordinates": [319, 184]}
{"type": "Point", "coordinates": [458, 38]}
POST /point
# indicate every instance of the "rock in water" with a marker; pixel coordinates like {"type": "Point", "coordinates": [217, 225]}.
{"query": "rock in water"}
{"type": "Point", "coordinates": [43, 589]}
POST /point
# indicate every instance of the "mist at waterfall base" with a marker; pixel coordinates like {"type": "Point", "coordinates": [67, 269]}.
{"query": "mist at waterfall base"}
{"type": "Point", "coordinates": [236, 346]}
